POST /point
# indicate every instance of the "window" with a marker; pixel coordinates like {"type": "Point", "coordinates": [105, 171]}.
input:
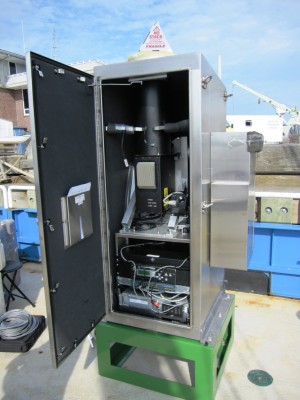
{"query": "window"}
{"type": "Point", "coordinates": [16, 68]}
{"type": "Point", "coordinates": [25, 102]}
{"type": "Point", "coordinates": [248, 122]}
{"type": "Point", "coordinates": [12, 68]}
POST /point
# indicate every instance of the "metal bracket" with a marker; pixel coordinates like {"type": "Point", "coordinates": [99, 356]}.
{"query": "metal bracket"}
{"type": "Point", "coordinates": [91, 339]}
{"type": "Point", "coordinates": [116, 84]}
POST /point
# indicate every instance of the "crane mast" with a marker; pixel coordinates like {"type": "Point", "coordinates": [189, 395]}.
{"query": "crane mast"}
{"type": "Point", "coordinates": [280, 108]}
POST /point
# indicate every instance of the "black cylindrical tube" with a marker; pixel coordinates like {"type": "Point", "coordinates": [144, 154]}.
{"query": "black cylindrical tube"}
{"type": "Point", "coordinates": [151, 114]}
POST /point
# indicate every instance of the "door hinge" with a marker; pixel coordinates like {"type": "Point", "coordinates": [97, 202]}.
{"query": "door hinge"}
{"type": "Point", "coordinates": [59, 71]}
{"type": "Point", "coordinates": [44, 143]}
{"type": "Point", "coordinates": [54, 290]}
{"type": "Point", "coordinates": [61, 351]}
{"type": "Point", "coordinates": [40, 72]}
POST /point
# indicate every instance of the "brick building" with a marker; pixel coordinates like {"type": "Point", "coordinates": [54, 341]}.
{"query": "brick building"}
{"type": "Point", "coordinates": [14, 105]}
{"type": "Point", "coordinates": [13, 89]}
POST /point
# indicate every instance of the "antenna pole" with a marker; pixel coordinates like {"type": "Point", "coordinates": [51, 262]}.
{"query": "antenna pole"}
{"type": "Point", "coordinates": [220, 67]}
{"type": "Point", "coordinates": [54, 47]}
{"type": "Point", "coordinates": [24, 47]}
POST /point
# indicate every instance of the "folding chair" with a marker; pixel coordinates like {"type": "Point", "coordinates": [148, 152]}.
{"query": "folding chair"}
{"type": "Point", "coordinates": [12, 267]}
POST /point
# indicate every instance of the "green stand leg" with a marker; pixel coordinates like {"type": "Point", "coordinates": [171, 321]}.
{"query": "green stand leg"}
{"type": "Point", "coordinates": [116, 343]}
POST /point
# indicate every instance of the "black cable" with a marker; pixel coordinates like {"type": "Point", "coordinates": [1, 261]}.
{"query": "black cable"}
{"type": "Point", "coordinates": [149, 221]}
{"type": "Point", "coordinates": [162, 269]}
{"type": "Point", "coordinates": [144, 226]}
{"type": "Point", "coordinates": [147, 217]}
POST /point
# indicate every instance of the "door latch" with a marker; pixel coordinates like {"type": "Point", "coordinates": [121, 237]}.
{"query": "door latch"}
{"type": "Point", "coordinates": [49, 225]}
{"type": "Point", "coordinates": [205, 206]}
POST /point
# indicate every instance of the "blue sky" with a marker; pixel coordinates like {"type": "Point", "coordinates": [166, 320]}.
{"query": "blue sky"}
{"type": "Point", "coordinates": [258, 41]}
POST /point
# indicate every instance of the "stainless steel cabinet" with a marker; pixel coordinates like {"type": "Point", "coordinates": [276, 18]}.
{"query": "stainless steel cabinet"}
{"type": "Point", "coordinates": [164, 184]}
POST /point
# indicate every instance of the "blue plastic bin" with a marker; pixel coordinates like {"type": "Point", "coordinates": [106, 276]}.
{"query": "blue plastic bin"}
{"type": "Point", "coordinates": [277, 250]}
{"type": "Point", "coordinates": [27, 234]}
{"type": "Point", "coordinates": [21, 147]}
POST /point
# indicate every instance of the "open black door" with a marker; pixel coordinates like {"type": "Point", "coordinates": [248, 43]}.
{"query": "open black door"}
{"type": "Point", "coordinates": [65, 158]}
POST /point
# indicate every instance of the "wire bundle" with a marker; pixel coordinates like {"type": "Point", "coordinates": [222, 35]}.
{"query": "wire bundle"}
{"type": "Point", "coordinates": [16, 324]}
{"type": "Point", "coordinates": [171, 301]}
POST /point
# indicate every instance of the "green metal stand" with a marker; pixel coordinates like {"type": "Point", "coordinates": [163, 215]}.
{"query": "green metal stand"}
{"type": "Point", "coordinates": [116, 343]}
